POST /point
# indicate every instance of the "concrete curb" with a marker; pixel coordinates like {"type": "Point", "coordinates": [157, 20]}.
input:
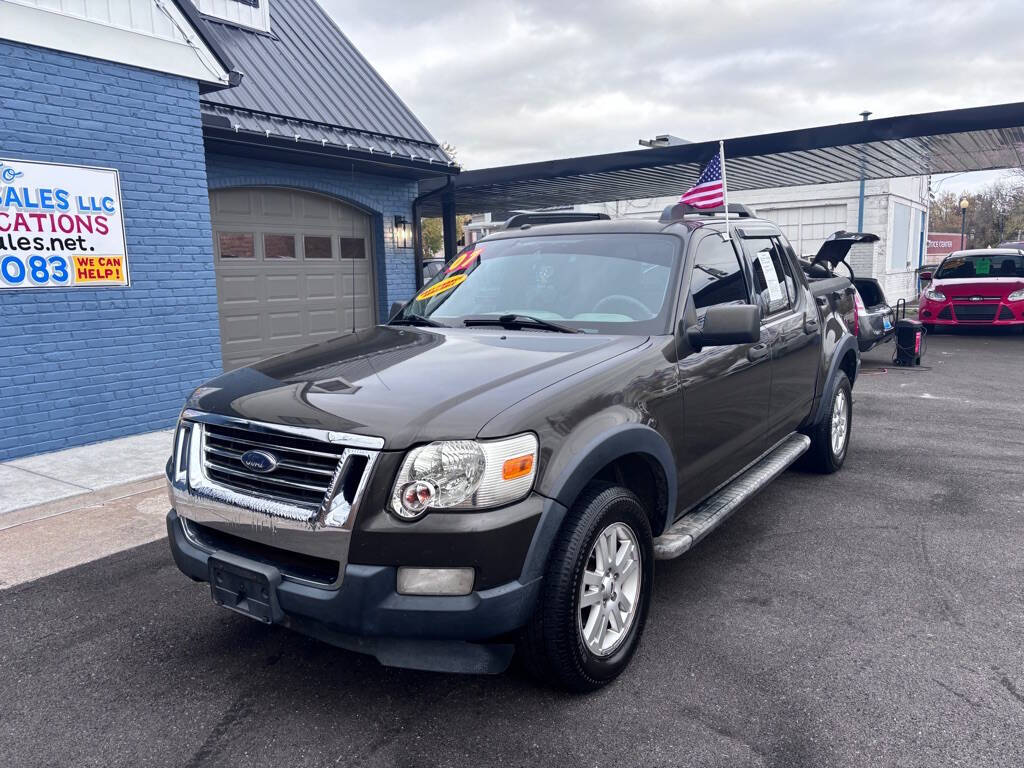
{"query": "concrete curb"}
{"type": "Point", "coordinates": [72, 473]}
{"type": "Point", "coordinates": [79, 501]}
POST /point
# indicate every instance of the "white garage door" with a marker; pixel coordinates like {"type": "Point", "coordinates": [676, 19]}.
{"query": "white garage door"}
{"type": "Point", "coordinates": [808, 226]}
{"type": "Point", "coordinates": [293, 268]}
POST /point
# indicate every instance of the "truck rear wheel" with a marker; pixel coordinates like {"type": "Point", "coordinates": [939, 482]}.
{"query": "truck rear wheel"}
{"type": "Point", "coordinates": [830, 439]}
{"type": "Point", "coordinates": [596, 592]}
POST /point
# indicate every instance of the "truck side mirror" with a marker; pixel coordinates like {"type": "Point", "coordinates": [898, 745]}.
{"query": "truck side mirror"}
{"type": "Point", "coordinates": [396, 307]}
{"type": "Point", "coordinates": [726, 324]}
{"type": "Point", "coordinates": [926, 276]}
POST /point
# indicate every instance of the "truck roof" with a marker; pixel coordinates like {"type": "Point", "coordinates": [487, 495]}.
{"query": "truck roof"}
{"type": "Point", "coordinates": [627, 226]}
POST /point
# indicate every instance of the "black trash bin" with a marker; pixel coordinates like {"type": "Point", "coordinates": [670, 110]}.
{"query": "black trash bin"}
{"type": "Point", "coordinates": [909, 335]}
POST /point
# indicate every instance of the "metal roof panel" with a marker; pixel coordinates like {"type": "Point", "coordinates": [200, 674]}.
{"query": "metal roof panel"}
{"type": "Point", "coordinates": [306, 69]}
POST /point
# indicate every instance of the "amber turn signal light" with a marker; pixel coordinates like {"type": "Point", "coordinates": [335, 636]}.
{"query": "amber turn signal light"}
{"type": "Point", "coordinates": [518, 467]}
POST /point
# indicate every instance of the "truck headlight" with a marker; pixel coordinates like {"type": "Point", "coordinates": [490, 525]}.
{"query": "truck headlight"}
{"type": "Point", "coordinates": [464, 474]}
{"type": "Point", "coordinates": [935, 295]}
{"type": "Point", "coordinates": [1016, 296]}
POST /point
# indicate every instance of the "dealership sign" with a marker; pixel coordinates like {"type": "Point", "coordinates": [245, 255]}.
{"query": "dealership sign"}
{"type": "Point", "coordinates": [941, 243]}
{"type": "Point", "coordinates": [61, 226]}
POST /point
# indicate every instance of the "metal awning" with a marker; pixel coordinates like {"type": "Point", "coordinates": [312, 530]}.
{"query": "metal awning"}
{"type": "Point", "coordinates": [976, 139]}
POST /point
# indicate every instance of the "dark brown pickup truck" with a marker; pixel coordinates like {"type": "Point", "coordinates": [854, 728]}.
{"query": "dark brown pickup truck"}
{"type": "Point", "coordinates": [499, 466]}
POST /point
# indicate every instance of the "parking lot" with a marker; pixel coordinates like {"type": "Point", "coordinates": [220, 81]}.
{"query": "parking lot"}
{"type": "Point", "coordinates": [875, 617]}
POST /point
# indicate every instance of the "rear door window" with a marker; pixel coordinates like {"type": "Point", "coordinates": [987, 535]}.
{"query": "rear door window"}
{"type": "Point", "coordinates": [788, 257]}
{"type": "Point", "coordinates": [773, 282]}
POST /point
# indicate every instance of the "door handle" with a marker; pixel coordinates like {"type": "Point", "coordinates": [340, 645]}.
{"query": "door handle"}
{"type": "Point", "coordinates": [758, 351]}
{"type": "Point", "coordinates": [810, 324]}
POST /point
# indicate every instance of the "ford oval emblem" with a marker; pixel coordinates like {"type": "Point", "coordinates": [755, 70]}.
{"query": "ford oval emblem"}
{"type": "Point", "coordinates": [259, 461]}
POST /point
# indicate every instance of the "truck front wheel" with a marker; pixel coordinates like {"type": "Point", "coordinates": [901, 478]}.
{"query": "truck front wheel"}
{"type": "Point", "coordinates": [595, 595]}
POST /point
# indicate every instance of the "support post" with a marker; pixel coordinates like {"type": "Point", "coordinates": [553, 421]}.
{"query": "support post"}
{"type": "Point", "coordinates": [448, 220]}
{"type": "Point", "coordinates": [860, 205]}
{"type": "Point", "coordinates": [417, 242]}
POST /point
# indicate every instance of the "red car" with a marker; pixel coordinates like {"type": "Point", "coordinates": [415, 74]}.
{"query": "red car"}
{"type": "Point", "coordinates": [976, 288]}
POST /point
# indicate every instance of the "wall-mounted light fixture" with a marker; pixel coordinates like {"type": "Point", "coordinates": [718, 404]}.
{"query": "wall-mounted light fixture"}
{"type": "Point", "coordinates": [401, 232]}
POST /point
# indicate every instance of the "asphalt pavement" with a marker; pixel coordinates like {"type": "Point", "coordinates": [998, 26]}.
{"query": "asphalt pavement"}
{"type": "Point", "coordinates": [872, 618]}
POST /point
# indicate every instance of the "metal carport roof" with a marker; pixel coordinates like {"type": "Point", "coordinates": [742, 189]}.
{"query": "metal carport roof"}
{"type": "Point", "coordinates": [973, 139]}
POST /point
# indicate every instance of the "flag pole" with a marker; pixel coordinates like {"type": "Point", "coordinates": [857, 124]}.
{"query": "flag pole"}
{"type": "Point", "coordinates": [725, 186]}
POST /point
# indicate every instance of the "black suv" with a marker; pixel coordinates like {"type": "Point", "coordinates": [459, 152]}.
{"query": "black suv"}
{"type": "Point", "coordinates": [500, 465]}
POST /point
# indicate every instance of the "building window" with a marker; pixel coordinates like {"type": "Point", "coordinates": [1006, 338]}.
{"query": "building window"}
{"type": "Point", "coordinates": [899, 248]}
{"type": "Point", "coordinates": [236, 245]}
{"type": "Point", "coordinates": [317, 247]}
{"type": "Point", "coordinates": [279, 246]}
{"type": "Point", "coordinates": [353, 248]}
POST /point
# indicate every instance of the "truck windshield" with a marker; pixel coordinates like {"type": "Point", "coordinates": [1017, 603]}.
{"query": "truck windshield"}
{"type": "Point", "coordinates": [615, 283]}
{"type": "Point", "coordinates": [981, 265]}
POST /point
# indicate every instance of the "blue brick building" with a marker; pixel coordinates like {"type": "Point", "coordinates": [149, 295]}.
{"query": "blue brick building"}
{"type": "Point", "coordinates": [266, 176]}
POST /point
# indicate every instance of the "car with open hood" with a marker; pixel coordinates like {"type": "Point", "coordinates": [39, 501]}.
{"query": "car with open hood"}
{"type": "Point", "coordinates": [498, 466]}
{"type": "Point", "coordinates": [975, 288]}
{"type": "Point", "coordinates": [873, 321]}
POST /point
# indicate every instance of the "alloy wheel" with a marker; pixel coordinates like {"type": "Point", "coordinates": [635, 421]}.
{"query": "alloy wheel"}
{"type": "Point", "coordinates": [610, 590]}
{"type": "Point", "coordinates": [840, 423]}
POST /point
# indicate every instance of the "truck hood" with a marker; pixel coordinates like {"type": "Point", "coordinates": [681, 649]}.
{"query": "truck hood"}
{"type": "Point", "coordinates": [986, 287]}
{"type": "Point", "coordinates": [406, 385]}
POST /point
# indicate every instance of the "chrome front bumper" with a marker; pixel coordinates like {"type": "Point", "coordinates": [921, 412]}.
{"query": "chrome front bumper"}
{"type": "Point", "coordinates": [324, 532]}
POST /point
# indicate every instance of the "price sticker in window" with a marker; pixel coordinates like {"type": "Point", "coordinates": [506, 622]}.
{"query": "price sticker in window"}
{"type": "Point", "coordinates": [776, 296]}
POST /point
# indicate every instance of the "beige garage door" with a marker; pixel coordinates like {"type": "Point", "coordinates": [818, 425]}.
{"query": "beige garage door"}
{"type": "Point", "coordinates": [807, 227]}
{"type": "Point", "coordinates": [293, 268]}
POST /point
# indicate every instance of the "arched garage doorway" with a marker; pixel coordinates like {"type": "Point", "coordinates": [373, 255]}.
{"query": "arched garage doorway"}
{"type": "Point", "coordinates": [293, 268]}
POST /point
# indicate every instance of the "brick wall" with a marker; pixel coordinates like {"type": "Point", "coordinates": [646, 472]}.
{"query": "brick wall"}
{"type": "Point", "coordinates": [81, 365]}
{"type": "Point", "coordinates": [381, 196]}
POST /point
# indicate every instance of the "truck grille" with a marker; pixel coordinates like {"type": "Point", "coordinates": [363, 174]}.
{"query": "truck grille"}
{"type": "Point", "coordinates": [302, 477]}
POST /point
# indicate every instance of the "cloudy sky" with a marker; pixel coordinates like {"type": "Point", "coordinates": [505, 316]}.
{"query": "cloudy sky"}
{"type": "Point", "coordinates": [522, 80]}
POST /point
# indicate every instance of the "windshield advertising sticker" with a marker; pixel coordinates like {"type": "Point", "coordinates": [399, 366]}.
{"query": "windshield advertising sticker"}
{"type": "Point", "coordinates": [437, 288]}
{"type": "Point", "coordinates": [61, 226]}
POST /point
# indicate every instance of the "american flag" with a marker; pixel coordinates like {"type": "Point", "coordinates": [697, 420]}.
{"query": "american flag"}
{"type": "Point", "coordinates": [709, 191]}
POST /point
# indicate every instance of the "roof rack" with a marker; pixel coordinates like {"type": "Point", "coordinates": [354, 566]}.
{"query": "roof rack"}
{"type": "Point", "coordinates": [552, 217]}
{"type": "Point", "coordinates": [679, 210]}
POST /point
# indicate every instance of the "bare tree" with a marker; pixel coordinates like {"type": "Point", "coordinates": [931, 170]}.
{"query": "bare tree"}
{"type": "Point", "coordinates": [994, 214]}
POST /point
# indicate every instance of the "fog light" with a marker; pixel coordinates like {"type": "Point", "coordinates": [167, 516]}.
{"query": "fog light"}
{"type": "Point", "coordinates": [435, 581]}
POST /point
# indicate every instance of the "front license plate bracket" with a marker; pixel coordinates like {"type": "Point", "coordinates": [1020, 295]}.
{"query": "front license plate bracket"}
{"type": "Point", "coordinates": [245, 587]}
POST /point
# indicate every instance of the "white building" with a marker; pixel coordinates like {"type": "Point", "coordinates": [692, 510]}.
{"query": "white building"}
{"type": "Point", "coordinates": [894, 209]}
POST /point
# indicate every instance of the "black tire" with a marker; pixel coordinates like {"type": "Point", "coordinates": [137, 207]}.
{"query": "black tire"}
{"type": "Point", "coordinates": [929, 328]}
{"type": "Point", "coordinates": [821, 456]}
{"type": "Point", "coordinates": [551, 645]}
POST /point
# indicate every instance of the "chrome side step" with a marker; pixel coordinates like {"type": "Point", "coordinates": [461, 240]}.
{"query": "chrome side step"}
{"type": "Point", "coordinates": [712, 511]}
